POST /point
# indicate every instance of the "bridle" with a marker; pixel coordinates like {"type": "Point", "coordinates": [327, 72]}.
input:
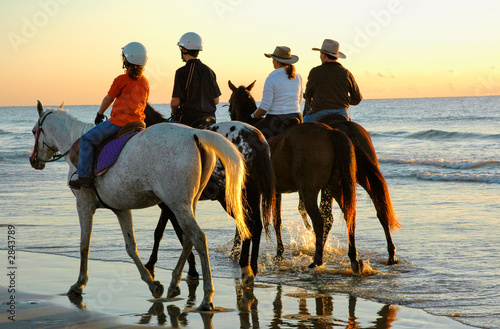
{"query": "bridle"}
{"type": "Point", "coordinates": [34, 155]}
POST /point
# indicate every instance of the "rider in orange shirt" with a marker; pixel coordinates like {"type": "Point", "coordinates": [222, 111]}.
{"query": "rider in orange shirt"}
{"type": "Point", "coordinates": [130, 92]}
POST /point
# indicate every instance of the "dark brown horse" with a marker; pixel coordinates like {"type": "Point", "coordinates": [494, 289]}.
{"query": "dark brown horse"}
{"type": "Point", "coordinates": [368, 174]}
{"type": "Point", "coordinates": [328, 163]}
{"type": "Point", "coordinates": [258, 193]}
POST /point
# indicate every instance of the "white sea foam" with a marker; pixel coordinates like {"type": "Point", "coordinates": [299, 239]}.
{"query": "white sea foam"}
{"type": "Point", "coordinates": [493, 179]}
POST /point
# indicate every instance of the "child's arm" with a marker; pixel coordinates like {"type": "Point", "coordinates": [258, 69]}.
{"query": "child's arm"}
{"type": "Point", "coordinates": [106, 102]}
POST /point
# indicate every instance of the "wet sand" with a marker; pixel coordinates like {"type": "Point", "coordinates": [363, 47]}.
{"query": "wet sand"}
{"type": "Point", "coordinates": [115, 297]}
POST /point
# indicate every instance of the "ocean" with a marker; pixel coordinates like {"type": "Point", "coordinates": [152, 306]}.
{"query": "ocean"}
{"type": "Point", "coordinates": [441, 160]}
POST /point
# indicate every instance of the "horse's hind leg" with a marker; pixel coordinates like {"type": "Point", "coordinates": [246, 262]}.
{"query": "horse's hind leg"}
{"type": "Point", "coordinates": [356, 265]}
{"type": "Point", "coordinates": [254, 225]}
{"type": "Point", "coordinates": [383, 212]}
{"type": "Point", "coordinates": [125, 220]}
{"type": "Point", "coordinates": [187, 247]}
{"type": "Point", "coordinates": [198, 238]}
{"type": "Point", "coordinates": [280, 249]}
{"type": "Point", "coordinates": [310, 202]}
{"type": "Point", "coordinates": [192, 273]}
{"type": "Point", "coordinates": [85, 215]}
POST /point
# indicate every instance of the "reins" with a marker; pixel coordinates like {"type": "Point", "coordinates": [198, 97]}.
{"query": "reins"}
{"type": "Point", "coordinates": [34, 156]}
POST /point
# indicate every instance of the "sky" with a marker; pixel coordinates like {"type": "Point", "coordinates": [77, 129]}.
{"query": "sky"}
{"type": "Point", "coordinates": [70, 50]}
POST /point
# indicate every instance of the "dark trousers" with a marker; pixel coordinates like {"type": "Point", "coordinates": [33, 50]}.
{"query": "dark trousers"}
{"type": "Point", "coordinates": [272, 125]}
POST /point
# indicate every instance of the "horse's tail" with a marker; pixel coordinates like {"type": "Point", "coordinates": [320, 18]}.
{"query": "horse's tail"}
{"type": "Point", "coordinates": [261, 177]}
{"type": "Point", "coordinates": [345, 164]}
{"type": "Point", "coordinates": [235, 170]}
{"type": "Point", "coordinates": [378, 190]}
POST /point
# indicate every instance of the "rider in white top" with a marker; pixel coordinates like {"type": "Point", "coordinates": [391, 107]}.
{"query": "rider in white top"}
{"type": "Point", "coordinates": [282, 95]}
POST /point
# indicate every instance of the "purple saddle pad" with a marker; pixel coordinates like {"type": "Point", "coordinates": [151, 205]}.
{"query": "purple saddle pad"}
{"type": "Point", "coordinates": [110, 153]}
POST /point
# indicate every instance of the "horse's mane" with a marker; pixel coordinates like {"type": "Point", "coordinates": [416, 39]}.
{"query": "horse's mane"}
{"type": "Point", "coordinates": [76, 127]}
{"type": "Point", "coordinates": [152, 116]}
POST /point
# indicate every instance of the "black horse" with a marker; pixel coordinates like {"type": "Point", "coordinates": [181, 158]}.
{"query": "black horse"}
{"type": "Point", "coordinates": [259, 191]}
{"type": "Point", "coordinates": [368, 174]}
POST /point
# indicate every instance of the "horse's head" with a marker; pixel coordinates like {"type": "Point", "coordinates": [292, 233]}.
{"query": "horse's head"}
{"type": "Point", "coordinates": [45, 147]}
{"type": "Point", "coordinates": [241, 103]}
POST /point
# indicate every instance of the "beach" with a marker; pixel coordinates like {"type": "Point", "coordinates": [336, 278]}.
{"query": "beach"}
{"type": "Point", "coordinates": [115, 297]}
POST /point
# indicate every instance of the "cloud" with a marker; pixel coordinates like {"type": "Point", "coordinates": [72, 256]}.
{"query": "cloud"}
{"type": "Point", "coordinates": [387, 74]}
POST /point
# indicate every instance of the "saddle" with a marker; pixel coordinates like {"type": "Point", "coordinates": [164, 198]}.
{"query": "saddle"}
{"type": "Point", "coordinates": [203, 123]}
{"type": "Point", "coordinates": [108, 151]}
{"type": "Point", "coordinates": [333, 118]}
{"type": "Point", "coordinates": [273, 140]}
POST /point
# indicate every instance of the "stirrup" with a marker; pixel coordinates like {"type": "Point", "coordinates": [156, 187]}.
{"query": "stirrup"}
{"type": "Point", "coordinates": [81, 182]}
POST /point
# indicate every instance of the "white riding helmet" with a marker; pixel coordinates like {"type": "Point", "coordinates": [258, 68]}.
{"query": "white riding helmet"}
{"type": "Point", "coordinates": [135, 53]}
{"type": "Point", "coordinates": [191, 41]}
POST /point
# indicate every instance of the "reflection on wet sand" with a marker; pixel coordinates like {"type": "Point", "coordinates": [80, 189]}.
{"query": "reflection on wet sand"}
{"type": "Point", "coordinates": [313, 310]}
{"type": "Point", "coordinates": [322, 317]}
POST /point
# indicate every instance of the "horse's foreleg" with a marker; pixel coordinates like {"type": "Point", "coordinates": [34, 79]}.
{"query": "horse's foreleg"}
{"type": "Point", "coordinates": [277, 228]}
{"type": "Point", "coordinates": [125, 220]}
{"type": "Point", "coordinates": [325, 207]}
{"type": "Point", "coordinates": [158, 235]}
{"type": "Point", "coordinates": [85, 215]}
{"type": "Point", "coordinates": [235, 250]}
{"type": "Point", "coordinates": [303, 214]}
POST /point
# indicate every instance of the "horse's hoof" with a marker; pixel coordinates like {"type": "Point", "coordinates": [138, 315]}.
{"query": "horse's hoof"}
{"type": "Point", "coordinates": [278, 258]}
{"type": "Point", "coordinates": [206, 307]}
{"type": "Point", "coordinates": [247, 277]}
{"type": "Point", "coordinates": [156, 289]}
{"type": "Point", "coordinates": [315, 264]}
{"type": "Point", "coordinates": [392, 261]}
{"type": "Point", "coordinates": [75, 290]}
{"type": "Point", "coordinates": [357, 267]}
{"type": "Point", "coordinates": [247, 280]}
{"type": "Point", "coordinates": [173, 292]}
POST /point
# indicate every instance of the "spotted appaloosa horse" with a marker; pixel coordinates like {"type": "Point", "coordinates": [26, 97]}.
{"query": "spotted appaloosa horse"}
{"type": "Point", "coordinates": [258, 191]}
{"type": "Point", "coordinates": [179, 162]}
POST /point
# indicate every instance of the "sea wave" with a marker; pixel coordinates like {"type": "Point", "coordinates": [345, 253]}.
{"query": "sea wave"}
{"type": "Point", "coordinates": [434, 134]}
{"type": "Point", "coordinates": [441, 163]}
{"type": "Point", "coordinates": [493, 179]}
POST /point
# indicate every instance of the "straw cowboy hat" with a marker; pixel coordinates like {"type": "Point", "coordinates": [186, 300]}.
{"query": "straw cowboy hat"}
{"type": "Point", "coordinates": [283, 55]}
{"type": "Point", "coordinates": [331, 47]}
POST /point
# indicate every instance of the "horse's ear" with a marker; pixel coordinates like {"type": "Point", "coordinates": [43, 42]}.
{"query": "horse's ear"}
{"type": "Point", "coordinates": [231, 86]}
{"type": "Point", "coordinates": [249, 88]}
{"type": "Point", "coordinates": [39, 107]}
{"type": "Point", "coordinates": [61, 107]}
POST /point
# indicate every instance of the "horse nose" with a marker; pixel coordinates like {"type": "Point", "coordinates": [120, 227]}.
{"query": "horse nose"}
{"type": "Point", "coordinates": [37, 164]}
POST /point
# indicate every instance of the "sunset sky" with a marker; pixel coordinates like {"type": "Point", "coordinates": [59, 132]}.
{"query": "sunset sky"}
{"type": "Point", "coordinates": [69, 50]}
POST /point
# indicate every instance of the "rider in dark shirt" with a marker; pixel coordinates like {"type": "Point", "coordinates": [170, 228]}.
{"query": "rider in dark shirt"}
{"type": "Point", "coordinates": [330, 88]}
{"type": "Point", "coordinates": [196, 92]}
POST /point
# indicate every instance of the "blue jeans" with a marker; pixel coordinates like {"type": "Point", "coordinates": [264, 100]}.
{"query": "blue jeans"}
{"type": "Point", "coordinates": [89, 141]}
{"type": "Point", "coordinates": [312, 117]}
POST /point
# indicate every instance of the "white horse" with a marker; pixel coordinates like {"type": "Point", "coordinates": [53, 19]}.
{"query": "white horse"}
{"type": "Point", "coordinates": [165, 163]}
